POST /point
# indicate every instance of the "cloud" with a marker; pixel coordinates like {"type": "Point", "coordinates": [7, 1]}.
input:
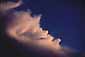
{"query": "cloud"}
{"type": "Point", "coordinates": [9, 5]}
{"type": "Point", "coordinates": [26, 29]}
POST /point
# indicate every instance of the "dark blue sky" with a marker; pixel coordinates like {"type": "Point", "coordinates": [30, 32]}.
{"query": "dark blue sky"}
{"type": "Point", "coordinates": [61, 17]}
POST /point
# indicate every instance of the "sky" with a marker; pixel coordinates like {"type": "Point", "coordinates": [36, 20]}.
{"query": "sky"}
{"type": "Point", "coordinates": [62, 18]}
